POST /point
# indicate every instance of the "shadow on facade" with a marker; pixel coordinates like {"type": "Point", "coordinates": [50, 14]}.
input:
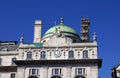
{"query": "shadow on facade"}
{"type": "Point", "coordinates": [79, 76]}
{"type": "Point", "coordinates": [55, 77]}
{"type": "Point", "coordinates": [32, 77]}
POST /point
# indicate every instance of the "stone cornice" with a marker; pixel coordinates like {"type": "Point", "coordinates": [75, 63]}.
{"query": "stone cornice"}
{"type": "Point", "coordinates": [9, 53]}
{"type": "Point", "coordinates": [75, 45]}
{"type": "Point", "coordinates": [8, 68]}
{"type": "Point", "coordinates": [60, 62]}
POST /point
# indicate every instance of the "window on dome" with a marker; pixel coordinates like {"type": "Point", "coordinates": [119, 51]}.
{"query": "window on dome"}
{"type": "Point", "coordinates": [29, 55]}
{"type": "Point", "coordinates": [43, 55]}
{"type": "Point", "coordinates": [85, 54]}
{"type": "Point", "coordinates": [71, 54]}
{"type": "Point", "coordinates": [13, 59]}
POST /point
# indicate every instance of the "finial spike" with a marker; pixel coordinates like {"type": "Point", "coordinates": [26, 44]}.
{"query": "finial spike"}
{"type": "Point", "coordinates": [94, 37]}
{"type": "Point", "coordinates": [22, 38]}
{"type": "Point", "coordinates": [61, 20]}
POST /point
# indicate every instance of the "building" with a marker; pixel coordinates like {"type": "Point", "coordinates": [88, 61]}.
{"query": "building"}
{"type": "Point", "coordinates": [116, 71]}
{"type": "Point", "coordinates": [60, 53]}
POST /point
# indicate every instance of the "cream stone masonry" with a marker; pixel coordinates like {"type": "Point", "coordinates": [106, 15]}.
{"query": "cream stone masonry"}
{"type": "Point", "coordinates": [60, 53]}
{"type": "Point", "coordinates": [37, 31]}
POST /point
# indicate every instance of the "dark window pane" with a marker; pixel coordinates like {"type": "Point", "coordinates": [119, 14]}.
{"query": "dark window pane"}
{"type": "Point", "coordinates": [12, 75]}
{"type": "Point", "coordinates": [33, 71]}
{"type": "Point", "coordinates": [29, 55]}
{"type": "Point", "coordinates": [13, 59]}
{"type": "Point", "coordinates": [43, 55]}
{"type": "Point", "coordinates": [79, 70]}
{"type": "Point", "coordinates": [71, 54]}
{"type": "Point", "coordinates": [85, 54]}
{"type": "Point", "coordinates": [56, 71]}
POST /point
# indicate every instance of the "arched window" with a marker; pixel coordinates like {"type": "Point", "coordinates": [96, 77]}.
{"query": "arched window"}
{"type": "Point", "coordinates": [0, 61]}
{"type": "Point", "coordinates": [85, 54]}
{"type": "Point", "coordinates": [43, 55]}
{"type": "Point", "coordinates": [13, 59]}
{"type": "Point", "coordinates": [71, 54]}
{"type": "Point", "coordinates": [29, 55]}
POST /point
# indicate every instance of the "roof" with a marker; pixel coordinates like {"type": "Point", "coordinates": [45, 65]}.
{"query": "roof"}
{"type": "Point", "coordinates": [35, 44]}
{"type": "Point", "coordinates": [63, 29]}
{"type": "Point", "coordinates": [8, 42]}
{"type": "Point", "coordinates": [8, 45]}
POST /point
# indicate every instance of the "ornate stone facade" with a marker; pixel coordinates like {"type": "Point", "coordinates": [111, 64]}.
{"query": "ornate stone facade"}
{"type": "Point", "coordinates": [60, 53]}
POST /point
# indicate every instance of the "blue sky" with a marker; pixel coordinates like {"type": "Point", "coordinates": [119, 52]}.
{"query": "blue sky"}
{"type": "Point", "coordinates": [17, 17]}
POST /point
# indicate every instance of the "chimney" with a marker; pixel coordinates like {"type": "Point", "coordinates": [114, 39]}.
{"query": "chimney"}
{"type": "Point", "coordinates": [37, 31]}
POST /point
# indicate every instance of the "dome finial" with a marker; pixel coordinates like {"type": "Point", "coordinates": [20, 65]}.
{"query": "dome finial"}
{"type": "Point", "coordinates": [22, 38]}
{"type": "Point", "coordinates": [61, 20]}
{"type": "Point", "coordinates": [94, 37]}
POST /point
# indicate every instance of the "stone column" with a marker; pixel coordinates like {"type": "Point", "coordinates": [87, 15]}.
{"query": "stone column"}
{"type": "Point", "coordinates": [45, 72]}
{"type": "Point", "coordinates": [21, 72]}
{"type": "Point", "coordinates": [68, 72]}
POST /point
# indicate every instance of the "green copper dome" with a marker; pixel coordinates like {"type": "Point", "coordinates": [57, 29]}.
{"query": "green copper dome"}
{"type": "Point", "coordinates": [63, 29]}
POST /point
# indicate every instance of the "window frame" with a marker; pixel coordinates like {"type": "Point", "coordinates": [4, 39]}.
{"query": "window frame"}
{"type": "Point", "coordinates": [12, 75]}
{"type": "Point", "coordinates": [85, 54]}
{"type": "Point", "coordinates": [29, 55]}
{"type": "Point", "coordinates": [13, 59]}
{"type": "Point", "coordinates": [43, 55]}
{"type": "Point", "coordinates": [33, 71]}
{"type": "Point", "coordinates": [80, 71]}
{"type": "Point", "coordinates": [56, 71]}
{"type": "Point", "coordinates": [71, 54]}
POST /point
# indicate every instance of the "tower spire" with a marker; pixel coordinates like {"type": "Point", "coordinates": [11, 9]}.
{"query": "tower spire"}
{"type": "Point", "coordinates": [61, 20]}
{"type": "Point", "coordinates": [22, 38]}
{"type": "Point", "coordinates": [94, 37]}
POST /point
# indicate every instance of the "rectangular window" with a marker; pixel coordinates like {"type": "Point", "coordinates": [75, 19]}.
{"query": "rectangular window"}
{"type": "Point", "coordinates": [12, 75]}
{"type": "Point", "coordinates": [33, 71]}
{"type": "Point", "coordinates": [80, 71]}
{"type": "Point", "coordinates": [13, 59]}
{"type": "Point", "coordinates": [71, 54]}
{"type": "Point", "coordinates": [56, 71]}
